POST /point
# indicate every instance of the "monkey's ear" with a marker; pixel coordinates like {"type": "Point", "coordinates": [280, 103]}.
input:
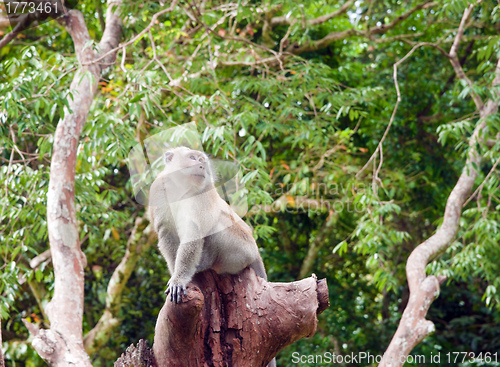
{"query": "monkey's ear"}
{"type": "Point", "coordinates": [168, 156]}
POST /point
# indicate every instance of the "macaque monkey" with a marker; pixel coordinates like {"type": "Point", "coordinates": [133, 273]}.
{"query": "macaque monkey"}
{"type": "Point", "coordinates": [197, 230]}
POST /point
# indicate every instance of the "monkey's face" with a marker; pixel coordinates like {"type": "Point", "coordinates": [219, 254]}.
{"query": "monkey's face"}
{"type": "Point", "coordinates": [195, 165]}
{"type": "Point", "coordinates": [189, 168]}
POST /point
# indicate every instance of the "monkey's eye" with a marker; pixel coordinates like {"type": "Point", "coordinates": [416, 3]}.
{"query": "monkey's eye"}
{"type": "Point", "coordinates": [192, 157]}
{"type": "Point", "coordinates": [202, 160]}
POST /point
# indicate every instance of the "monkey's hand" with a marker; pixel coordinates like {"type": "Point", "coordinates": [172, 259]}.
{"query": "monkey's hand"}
{"type": "Point", "coordinates": [175, 289]}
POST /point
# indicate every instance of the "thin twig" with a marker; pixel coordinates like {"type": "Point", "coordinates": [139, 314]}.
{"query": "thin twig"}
{"type": "Point", "coordinates": [395, 76]}
{"type": "Point", "coordinates": [142, 33]}
{"type": "Point", "coordinates": [454, 57]}
{"type": "Point", "coordinates": [124, 55]}
{"type": "Point", "coordinates": [277, 56]}
{"type": "Point", "coordinates": [480, 187]}
{"type": "Point", "coordinates": [155, 58]}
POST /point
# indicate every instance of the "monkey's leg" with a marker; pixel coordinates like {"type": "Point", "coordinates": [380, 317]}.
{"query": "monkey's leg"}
{"type": "Point", "coordinates": [168, 244]}
{"type": "Point", "coordinates": [188, 258]}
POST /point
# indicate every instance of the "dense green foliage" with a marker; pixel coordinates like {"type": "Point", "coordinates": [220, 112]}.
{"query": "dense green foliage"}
{"type": "Point", "coordinates": [301, 128]}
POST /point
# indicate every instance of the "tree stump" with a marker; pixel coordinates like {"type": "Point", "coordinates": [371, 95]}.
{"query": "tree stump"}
{"type": "Point", "coordinates": [236, 320]}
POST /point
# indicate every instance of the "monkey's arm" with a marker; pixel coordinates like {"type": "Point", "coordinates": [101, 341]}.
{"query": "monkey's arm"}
{"type": "Point", "coordinates": [186, 262]}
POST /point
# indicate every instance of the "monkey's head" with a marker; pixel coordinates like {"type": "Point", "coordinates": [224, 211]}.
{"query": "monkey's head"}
{"type": "Point", "coordinates": [189, 167]}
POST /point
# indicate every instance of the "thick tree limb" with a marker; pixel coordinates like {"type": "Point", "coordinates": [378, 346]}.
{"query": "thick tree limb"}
{"type": "Point", "coordinates": [112, 50]}
{"type": "Point", "coordinates": [63, 342]}
{"type": "Point", "coordinates": [20, 26]}
{"type": "Point", "coordinates": [140, 239]}
{"type": "Point", "coordinates": [334, 36]}
{"type": "Point", "coordinates": [315, 246]}
{"type": "Point", "coordinates": [37, 260]}
{"type": "Point", "coordinates": [324, 42]}
{"type": "Point", "coordinates": [236, 320]}
{"type": "Point", "coordinates": [311, 46]}
{"type": "Point", "coordinates": [413, 327]}
{"type": "Point", "coordinates": [65, 310]}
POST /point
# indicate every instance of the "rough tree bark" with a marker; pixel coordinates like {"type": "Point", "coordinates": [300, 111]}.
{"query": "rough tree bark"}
{"type": "Point", "coordinates": [235, 320]}
{"type": "Point", "coordinates": [413, 327]}
{"type": "Point", "coordinates": [62, 344]}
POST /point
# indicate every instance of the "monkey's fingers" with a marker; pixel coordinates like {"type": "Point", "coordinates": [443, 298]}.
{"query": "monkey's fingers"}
{"type": "Point", "coordinates": [183, 288]}
{"type": "Point", "coordinates": [173, 294]}
{"type": "Point", "coordinates": [179, 293]}
{"type": "Point", "coordinates": [180, 288]}
{"type": "Point", "coordinates": [176, 295]}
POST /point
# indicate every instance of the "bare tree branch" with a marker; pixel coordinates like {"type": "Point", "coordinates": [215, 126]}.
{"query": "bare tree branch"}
{"type": "Point", "coordinates": [400, 37]}
{"type": "Point", "coordinates": [230, 38]}
{"type": "Point", "coordinates": [315, 246]}
{"type": "Point", "coordinates": [20, 26]}
{"type": "Point", "coordinates": [295, 49]}
{"type": "Point", "coordinates": [324, 42]}
{"type": "Point", "coordinates": [385, 27]}
{"type": "Point", "coordinates": [398, 100]}
{"type": "Point", "coordinates": [454, 57]}
{"type": "Point", "coordinates": [37, 260]}
{"type": "Point", "coordinates": [334, 36]}
{"type": "Point", "coordinates": [413, 327]}
{"type": "Point", "coordinates": [480, 187]}
{"type": "Point", "coordinates": [142, 33]}
{"type": "Point", "coordinates": [64, 340]}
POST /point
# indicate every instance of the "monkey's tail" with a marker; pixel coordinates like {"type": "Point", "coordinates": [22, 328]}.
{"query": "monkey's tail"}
{"type": "Point", "coordinates": [258, 267]}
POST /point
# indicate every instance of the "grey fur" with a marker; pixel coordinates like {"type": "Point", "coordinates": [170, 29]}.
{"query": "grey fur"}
{"type": "Point", "coordinates": [197, 230]}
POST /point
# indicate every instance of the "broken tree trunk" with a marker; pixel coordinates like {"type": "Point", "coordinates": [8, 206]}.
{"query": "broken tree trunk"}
{"type": "Point", "coordinates": [236, 320]}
